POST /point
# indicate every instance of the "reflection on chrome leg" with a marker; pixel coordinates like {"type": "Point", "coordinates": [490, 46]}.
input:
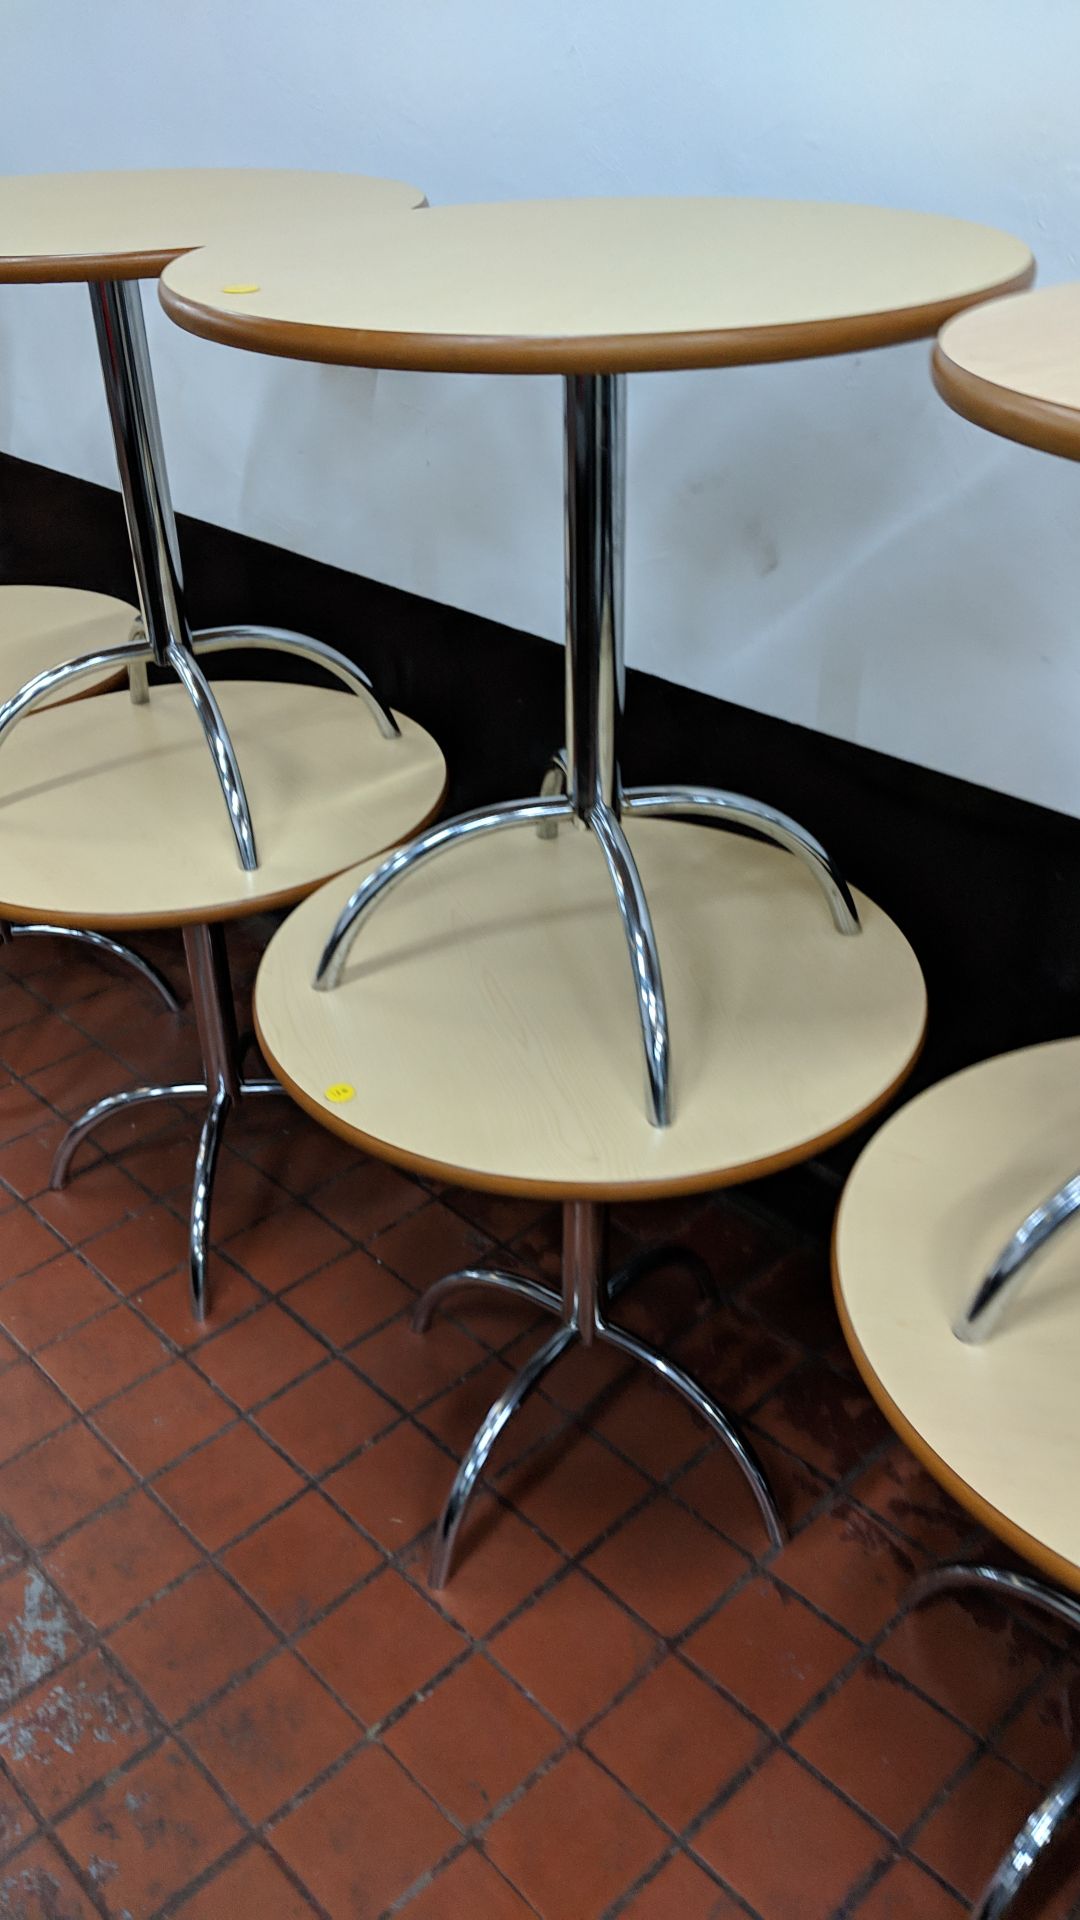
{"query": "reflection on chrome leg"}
{"type": "Point", "coordinates": [284, 640]}
{"type": "Point", "coordinates": [735, 809]}
{"type": "Point", "coordinates": [81, 1129]}
{"type": "Point", "coordinates": [555, 781]}
{"type": "Point", "coordinates": [472, 1466]}
{"type": "Point", "coordinates": [476, 1279]}
{"type": "Point", "coordinates": [202, 1193]}
{"type": "Point", "coordinates": [644, 960]}
{"type": "Point", "coordinates": [1003, 1281]}
{"type": "Point", "coordinates": [102, 944]}
{"type": "Point", "coordinates": [468, 826]}
{"type": "Point", "coordinates": [1038, 1833]}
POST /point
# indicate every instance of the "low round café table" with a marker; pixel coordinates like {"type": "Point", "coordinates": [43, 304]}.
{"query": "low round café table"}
{"type": "Point", "coordinates": [38, 626]}
{"type": "Point", "coordinates": [474, 1039]}
{"type": "Point", "coordinates": [112, 230]}
{"type": "Point", "coordinates": [996, 1420]}
{"type": "Point", "coordinates": [109, 819]}
{"type": "Point", "coordinates": [591, 291]}
{"type": "Point", "coordinates": [1014, 368]}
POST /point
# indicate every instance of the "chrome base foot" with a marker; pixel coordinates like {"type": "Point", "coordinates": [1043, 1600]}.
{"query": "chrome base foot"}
{"type": "Point", "coordinates": [223, 1088]}
{"type": "Point", "coordinates": [101, 944]}
{"type": "Point", "coordinates": [587, 1293]}
{"type": "Point", "coordinates": [221, 1103]}
{"type": "Point", "coordinates": [1053, 1813]}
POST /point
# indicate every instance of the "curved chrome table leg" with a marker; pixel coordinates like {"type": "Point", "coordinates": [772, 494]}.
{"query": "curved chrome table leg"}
{"type": "Point", "coordinates": [468, 826]}
{"type": "Point", "coordinates": [222, 751]}
{"type": "Point", "coordinates": [102, 944]}
{"type": "Point", "coordinates": [735, 809]}
{"type": "Point", "coordinates": [644, 959]}
{"type": "Point", "coordinates": [131, 654]}
{"type": "Point", "coordinates": [999, 1580]}
{"type": "Point", "coordinates": [81, 1129]}
{"type": "Point", "coordinates": [584, 1298]}
{"type": "Point", "coordinates": [720, 1422]}
{"type": "Point", "coordinates": [1005, 1278]}
{"type": "Point", "coordinates": [1061, 1803]}
{"type": "Point", "coordinates": [1038, 1833]}
{"type": "Point", "coordinates": [472, 1466]}
{"type": "Point", "coordinates": [488, 1278]}
{"type": "Point", "coordinates": [654, 1260]}
{"type": "Point", "coordinates": [202, 1192]}
{"type": "Point", "coordinates": [284, 640]}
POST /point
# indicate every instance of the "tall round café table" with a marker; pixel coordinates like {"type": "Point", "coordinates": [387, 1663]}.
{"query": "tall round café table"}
{"type": "Point", "coordinates": [955, 1285]}
{"type": "Point", "coordinates": [480, 1031]}
{"type": "Point", "coordinates": [111, 230]}
{"type": "Point", "coordinates": [1014, 368]}
{"type": "Point", "coordinates": [591, 291]}
{"type": "Point", "coordinates": [995, 1420]}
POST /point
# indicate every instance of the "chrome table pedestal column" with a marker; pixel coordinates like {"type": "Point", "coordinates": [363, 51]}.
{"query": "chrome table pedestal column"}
{"type": "Point", "coordinates": [169, 642]}
{"type": "Point", "coordinates": [222, 1087]}
{"type": "Point", "coordinates": [1062, 1801]}
{"type": "Point", "coordinates": [595, 799]}
{"type": "Point", "coordinates": [588, 1292]}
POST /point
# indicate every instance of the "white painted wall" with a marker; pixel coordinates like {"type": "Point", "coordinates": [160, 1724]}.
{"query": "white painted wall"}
{"type": "Point", "coordinates": [824, 541]}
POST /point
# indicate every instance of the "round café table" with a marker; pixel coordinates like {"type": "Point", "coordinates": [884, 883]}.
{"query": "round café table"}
{"type": "Point", "coordinates": [38, 626]}
{"type": "Point", "coordinates": [474, 1039]}
{"type": "Point", "coordinates": [996, 1421]}
{"type": "Point", "coordinates": [112, 230]}
{"type": "Point", "coordinates": [1014, 368]}
{"type": "Point", "coordinates": [592, 290]}
{"type": "Point", "coordinates": [113, 826]}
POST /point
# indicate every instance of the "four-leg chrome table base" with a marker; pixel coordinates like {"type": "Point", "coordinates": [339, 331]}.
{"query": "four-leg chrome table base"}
{"type": "Point", "coordinates": [222, 1087]}
{"type": "Point", "coordinates": [585, 783]}
{"type": "Point", "coordinates": [168, 641]}
{"type": "Point", "coordinates": [1063, 1800]}
{"type": "Point", "coordinates": [101, 943]}
{"type": "Point", "coordinates": [582, 1307]}
{"type": "Point", "coordinates": [1003, 1280]}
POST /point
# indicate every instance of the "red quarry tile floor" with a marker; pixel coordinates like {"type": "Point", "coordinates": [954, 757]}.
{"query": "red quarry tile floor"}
{"type": "Point", "coordinates": [227, 1691]}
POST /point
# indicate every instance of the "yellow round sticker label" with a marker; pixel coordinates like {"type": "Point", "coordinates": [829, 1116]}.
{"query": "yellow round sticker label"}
{"type": "Point", "coordinates": [340, 1091]}
{"type": "Point", "coordinates": [244, 287]}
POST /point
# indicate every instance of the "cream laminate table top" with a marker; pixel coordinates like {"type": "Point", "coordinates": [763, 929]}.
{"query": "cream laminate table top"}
{"type": "Point", "coordinates": [41, 627]}
{"type": "Point", "coordinates": [594, 285]}
{"type": "Point", "coordinates": [931, 1203]}
{"type": "Point", "coordinates": [487, 1025]}
{"type": "Point", "coordinates": [127, 226]}
{"type": "Point", "coordinates": [111, 814]}
{"type": "Point", "coordinates": [1014, 367]}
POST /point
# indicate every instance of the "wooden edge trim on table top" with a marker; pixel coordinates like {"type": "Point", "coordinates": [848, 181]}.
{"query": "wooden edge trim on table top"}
{"type": "Point", "coordinates": [608, 353]}
{"type": "Point", "coordinates": [18, 270]}
{"type": "Point", "coordinates": [1042, 424]}
{"type": "Point", "coordinates": [1036, 1552]}
{"type": "Point", "coordinates": [658, 1189]}
{"type": "Point", "coordinates": [233, 910]}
